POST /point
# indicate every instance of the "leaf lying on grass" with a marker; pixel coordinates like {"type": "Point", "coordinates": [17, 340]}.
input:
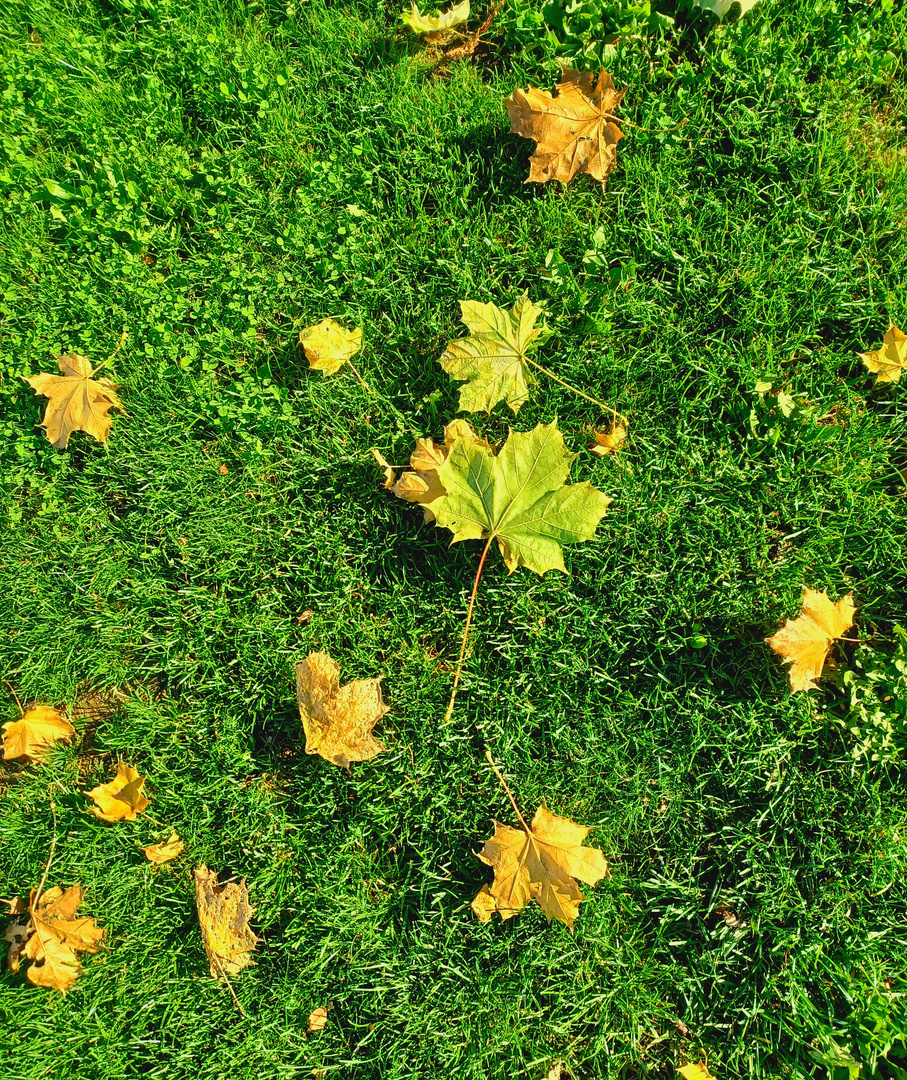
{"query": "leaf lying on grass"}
{"type": "Point", "coordinates": [50, 938]}
{"type": "Point", "coordinates": [223, 914]}
{"type": "Point", "coordinates": [318, 1018]}
{"type": "Point", "coordinates": [76, 401]}
{"type": "Point", "coordinates": [575, 128]}
{"type": "Point", "coordinates": [121, 799]}
{"type": "Point", "coordinates": [161, 853]}
{"type": "Point", "coordinates": [609, 442]}
{"type": "Point", "coordinates": [804, 642]}
{"type": "Point", "coordinates": [697, 1071]}
{"type": "Point", "coordinates": [432, 24]}
{"type": "Point", "coordinates": [337, 720]}
{"type": "Point", "coordinates": [891, 359]}
{"type": "Point", "coordinates": [537, 862]}
{"type": "Point", "coordinates": [328, 346]}
{"type": "Point", "coordinates": [32, 737]}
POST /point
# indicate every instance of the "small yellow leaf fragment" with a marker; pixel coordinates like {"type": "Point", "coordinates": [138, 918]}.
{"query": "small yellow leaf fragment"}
{"type": "Point", "coordinates": [161, 853]}
{"type": "Point", "coordinates": [422, 485]}
{"type": "Point", "coordinates": [385, 467]}
{"type": "Point", "coordinates": [75, 401]}
{"type": "Point", "coordinates": [804, 642]}
{"type": "Point", "coordinates": [223, 914]}
{"type": "Point", "coordinates": [328, 346]}
{"type": "Point", "coordinates": [32, 737]}
{"type": "Point", "coordinates": [574, 129]}
{"type": "Point", "coordinates": [610, 442]}
{"type": "Point", "coordinates": [318, 1018]}
{"type": "Point", "coordinates": [698, 1071]}
{"type": "Point", "coordinates": [891, 359]}
{"type": "Point", "coordinates": [337, 720]}
{"type": "Point", "coordinates": [542, 864]}
{"type": "Point", "coordinates": [121, 799]}
{"type": "Point", "coordinates": [432, 24]}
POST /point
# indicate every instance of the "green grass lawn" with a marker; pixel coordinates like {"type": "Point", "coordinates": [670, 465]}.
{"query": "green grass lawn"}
{"type": "Point", "coordinates": [214, 177]}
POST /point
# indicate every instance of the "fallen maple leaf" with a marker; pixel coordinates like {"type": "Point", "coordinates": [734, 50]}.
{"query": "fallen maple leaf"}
{"type": "Point", "coordinates": [432, 24]}
{"type": "Point", "coordinates": [804, 642]}
{"type": "Point", "coordinates": [76, 402]}
{"type": "Point", "coordinates": [698, 1071]}
{"type": "Point", "coordinates": [609, 442]}
{"type": "Point", "coordinates": [161, 853]}
{"type": "Point", "coordinates": [575, 130]}
{"type": "Point", "coordinates": [223, 914]}
{"type": "Point", "coordinates": [328, 346]}
{"type": "Point", "coordinates": [422, 484]}
{"type": "Point", "coordinates": [538, 862]}
{"type": "Point", "coordinates": [337, 720]}
{"type": "Point", "coordinates": [33, 736]}
{"type": "Point", "coordinates": [493, 360]}
{"type": "Point", "coordinates": [318, 1018]}
{"type": "Point", "coordinates": [891, 359]}
{"type": "Point", "coordinates": [518, 498]}
{"type": "Point", "coordinates": [385, 467]}
{"type": "Point", "coordinates": [51, 938]}
{"type": "Point", "coordinates": [121, 799]}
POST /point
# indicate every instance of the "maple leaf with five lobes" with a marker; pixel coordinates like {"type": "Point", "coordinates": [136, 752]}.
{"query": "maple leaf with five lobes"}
{"type": "Point", "coordinates": [575, 128]}
{"type": "Point", "coordinates": [32, 737]}
{"type": "Point", "coordinates": [121, 799]}
{"type": "Point", "coordinates": [541, 862]}
{"type": "Point", "coordinates": [328, 346]}
{"type": "Point", "coordinates": [804, 642]}
{"type": "Point", "coordinates": [891, 359]}
{"type": "Point", "coordinates": [337, 720]}
{"type": "Point", "coordinates": [51, 938]}
{"type": "Point", "coordinates": [432, 24]}
{"type": "Point", "coordinates": [76, 401]}
{"type": "Point", "coordinates": [493, 360]}
{"type": "Point", "coordinates": [518, 497]}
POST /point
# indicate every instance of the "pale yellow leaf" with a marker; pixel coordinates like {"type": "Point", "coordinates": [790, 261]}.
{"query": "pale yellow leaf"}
{"type": "Point", "coordinates": [76, 402]}
{"type": "Point", "coordinates": [889, 361]}
{"type": "Point", "coordinates": [432, 24]}
{"type": "Point", "coordinates": [804, 642]}
{"type": "Point", "coordinates": [698, 1071]}
{"type": "Point", "coordinates": [328, 346]}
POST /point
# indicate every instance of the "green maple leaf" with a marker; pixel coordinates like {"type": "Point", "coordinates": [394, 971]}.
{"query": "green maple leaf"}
{"type": "Point", "coordinates": [518, 497]}
{"type": "Point", "coordinates": [492, 361]}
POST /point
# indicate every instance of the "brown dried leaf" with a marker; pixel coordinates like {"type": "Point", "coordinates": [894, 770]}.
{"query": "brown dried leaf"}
{"type": "Point", "coordinates": [804, 642]}
{"type": "Point", "coordinates": [121, 799]}
{"type": "Point", "coordinates": [76, 402]}
{"type": "Point", "coordinates": [33, 736]}
{"type": "Point", "coordinates": [422, 485]}
{"type": "Point", "coordinates": [574, 129]}
{"type": "Point", "coordinates": [540, 864]}
{"type": "Point", "coordinates": [337, 720]}
{"type": "Point", "coordinates": [223, 914]}
{"type": "Point", "coordinates": [161, 853]}
{"type": "Point", "coordinates": [891, 359]}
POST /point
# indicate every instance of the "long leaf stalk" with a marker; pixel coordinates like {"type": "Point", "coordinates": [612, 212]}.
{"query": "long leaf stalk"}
{"type": "Point", "coordinates": [469, 611]}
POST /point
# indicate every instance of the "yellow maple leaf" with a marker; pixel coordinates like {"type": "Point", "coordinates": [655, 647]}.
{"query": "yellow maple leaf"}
{"type": "Point", "coordinates": [223, 914]}
{"type": "Point", "coordinates": [539, 862]}
{"type": "Point", "coordinates": [337, 720]}
{"type": "Point", "coordinates": [51, 938]}
{"type": "Point", "coordinates": [575, 128]}
{"type": "Point", "coordinates": [804, 642]}
{"type": "Point", "coordinates": [385, 467]}
{"type": "Point", "coordinates": [33, 736]}
{"type": "Point", "coordinates": [697, 1071]}
{"type": "Point", "coordinates": [161, 853]}
{"type": "Point", "coordinates": [76, 401]}
{"type": "Point", "coordinates": [121, 799]}
{"type": "Point", "coordinates": [432, 24]}
{"type": "Point", "coordinates": [891, 359]}
{"type": "Point", "coordinates": [328, 346]}
{"type": "Point", "coordinates": [609, 442]}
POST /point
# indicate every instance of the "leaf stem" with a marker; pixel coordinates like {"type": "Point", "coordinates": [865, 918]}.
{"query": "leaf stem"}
{"type": "Point", "coordinates": [507, 792]}
{"type": "Point", "coordinates": [617, 417]}
{"type": "Point", "coordinates": [352, 368]}
{"type": "Point", "coordinates": [472, 604]}
{"type": "Point", "coordinates": [15, 698]}
{"type": "Point", "coordinates": [53, 848]}
{"type": "Point", "coordinates": [120, 344]}
{"type": "Point", "coordinates": [220, 968]}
